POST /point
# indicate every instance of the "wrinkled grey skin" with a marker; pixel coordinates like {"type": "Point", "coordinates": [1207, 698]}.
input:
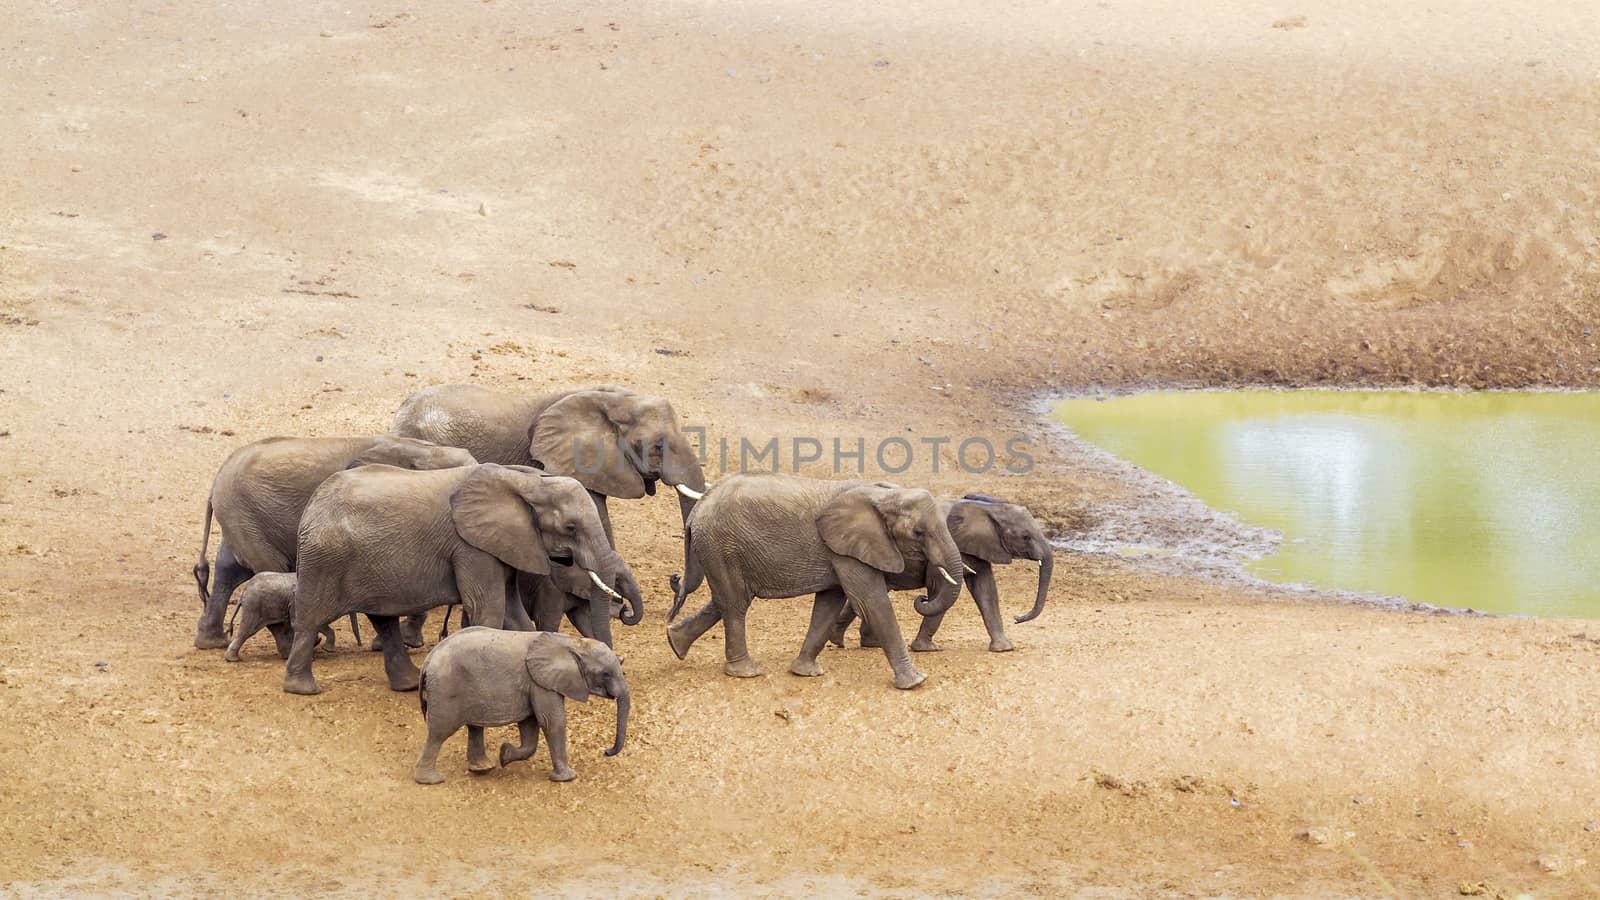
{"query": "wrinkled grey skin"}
{"type": "Point", "coordinates": [580, 433]}
{"type": "Point", "coordinates": [390, 542]}
{"type": "Point", "coordinates": [259, 494]}
{"type": "Point", "coordinates": [783, 536]}
{"type": "Point", "coordinates": [483, 677]}
{"type": "Point", "coordinates": [265, 602]}
{"type": "Point", "coordinates": [565, 592]}
{"type": "Point", "coordinates": [990, 532]}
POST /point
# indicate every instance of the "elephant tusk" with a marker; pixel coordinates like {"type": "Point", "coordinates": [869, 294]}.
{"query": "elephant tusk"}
{"type": "Point", "coordinates": [970, 570]}
{"type": "Point", "coordinates": [603, 586]}
{"type": "Point", "coordinates": [689, 492]}
{"type": "Point", "coordinates": [947, 576]}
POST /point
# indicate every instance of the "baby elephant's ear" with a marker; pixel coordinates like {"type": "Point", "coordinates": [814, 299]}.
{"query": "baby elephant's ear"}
{"type": "Point", "coordinates": [851, 525]}
{"type": "Point", "coordinates": [975, 531]}
{"type": "Point", "coordinates": [490, 513]}
{"type": "Point", "coordinates": [554, 666]}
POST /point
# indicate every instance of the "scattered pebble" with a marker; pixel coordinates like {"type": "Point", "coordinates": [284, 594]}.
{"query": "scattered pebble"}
{"type": "Point", "coordinates": [1318, 836]}
{"type": "Point", "coordinates": [158, 236]}
{"type": "Point", "coordinates": [1360, 799]}
{"type": "Point", "coordinates": [100, 664]}
{"type": "Point", "coordinates": [879, 63]}
{"type": "Point", "coordinates": [1588, 826]}
{"type": "Point", "coordinates": [733, 73]}
{"type": "Point", "coordinates": [319, 358]}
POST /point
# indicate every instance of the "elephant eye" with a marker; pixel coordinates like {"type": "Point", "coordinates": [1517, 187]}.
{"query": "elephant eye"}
{"type": "Point", "coordinates": [572, 528]}
{"type": "Point", "coordinates": [919, 531]}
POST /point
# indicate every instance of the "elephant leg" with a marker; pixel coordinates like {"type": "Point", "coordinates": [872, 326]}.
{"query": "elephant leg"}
{"type": "Point", "coordinates": [549, 603]}
{"type": "Point", "coordinates": [297, 677]}
{"type": "Point", "coordinates": [600, 618]}
{"type": "Point", "coordinates": [682, 634]}
{"type": "Point", "coordinates": [328, 638]}
{"type": "Point", "coordinates": [733, 600]}
{"type": "Point", "coordinates": [528, 730]}
{"type": "Point", "coordinates": [411, 629]}
{"type": "Point", "coordinates": [249, 623]}
{"type": "Point", "coordinates": [824, 615]}
{"type": "Point", "coordinates": [550, 710]}
{"type": "Point", "coordinates": [871, 599]}
{"type": "Point", "coordinates": [478, 761]}
{"type": "Point", "coordinates": [841, 625]}
{"type": "Point", "coordinates": [426, 770]}
{"type": "Point", "coordinates": [230, 573]}
{"type": "Point", "coordinates": [481, 585]}
{"type": "Point", "coordinates": [283, 636]}
{"type": "Point", "coordinates": [869, 637]}
{"type": "Point", "coordinates": [987, 596]}
{"type": "Point", "coordinates": [403, 673]}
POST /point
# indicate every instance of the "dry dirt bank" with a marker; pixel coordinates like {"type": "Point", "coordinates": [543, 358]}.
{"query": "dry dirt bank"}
{"type": "Point", "coordinates": [792, 220]}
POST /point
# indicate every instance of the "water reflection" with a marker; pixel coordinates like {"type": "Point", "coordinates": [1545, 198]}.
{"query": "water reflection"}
{"type": "Point", "coordinates": [1480, 500]}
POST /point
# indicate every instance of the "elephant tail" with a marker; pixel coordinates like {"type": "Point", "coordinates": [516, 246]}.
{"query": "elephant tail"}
{"type": "Point", "coordinates": [202, 569]}
{"type": "Point", "coordinates": [355, 630]}
{"type": "Point", "coordinates": [692, 577]}
{"type": "Point", "coordinates": [422, 693]}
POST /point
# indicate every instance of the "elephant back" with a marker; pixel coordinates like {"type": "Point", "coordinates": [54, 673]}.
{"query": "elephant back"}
{"type": "Point", "coordinates": [491, 425]}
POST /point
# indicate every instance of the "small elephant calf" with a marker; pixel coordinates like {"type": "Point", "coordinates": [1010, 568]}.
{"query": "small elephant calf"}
{"type": "Point", "coordinates": [264, 602]}
{"type": "Point", "coordinates": [484, 677]}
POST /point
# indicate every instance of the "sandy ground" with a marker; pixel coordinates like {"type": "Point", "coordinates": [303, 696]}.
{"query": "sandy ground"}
{"type": "Point", "coordinates": [225, 221]}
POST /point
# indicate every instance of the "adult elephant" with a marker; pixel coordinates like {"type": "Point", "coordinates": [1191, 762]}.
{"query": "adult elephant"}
{"type": "Point", "coordinates": [989, 532]}
{"type": "Point", "coordinates": [390, 542]}
{"type": "Point", "coordinates": [619, 444]}
{"type": "Point", "coordinates": [261, 490]}
{"type": "Point", "coordinates": [784, 536]}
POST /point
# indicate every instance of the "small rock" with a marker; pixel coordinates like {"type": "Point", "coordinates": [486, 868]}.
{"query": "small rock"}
{"type": "Point", "coordinates": [483, 210]}
{"type": "Point", "coordinates": [1588, 826]}
{"type": "Point", "coordinates": [1551, 863]}
{"type": "Point", "coordinates": [1463, 844]}
{"type": "Point", "coordinates": [319, 358]}
{"type": "Point", "coordinates": [327, 34]}
{"type": "Point", "coordinates": [1360, 799]}
{"type": "Point", "coordinates": [1506, 196]}
{"type": "Point", "coordinates": [1318, 836]}
{"type": "Point", "coordinates": [733, 73]}
{"type": "Point", "coordinates": [158, 236]}
{"type": "Point", "coordinates": [879, 63]}
{"type": "Point", "coordinates": [100, 664]}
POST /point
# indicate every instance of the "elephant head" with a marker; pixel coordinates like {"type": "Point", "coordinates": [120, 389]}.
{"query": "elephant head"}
{"type": "Point", "coordinates": [410, 453]}
{"type": "Point", "coordinates": [889, 528]}
{"type": "Point", "coordinates": [994, 530]}
{"type": "Point", "coordinates": [533, 522]}
{"type": "Point", "coordinates": [575, 668]}
{"type": "Point", "coordinates": [619, 444]}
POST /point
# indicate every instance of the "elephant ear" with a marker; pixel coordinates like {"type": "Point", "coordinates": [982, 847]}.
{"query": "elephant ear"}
{"type": "Point", "coordinates": [852, 526]}
{"type": "Point", "coordinates": [577, 436]}
{"type": "Point", "coordinates": [491, 513]}
{"type": "Point", "coordinates": [555, 666]}
{"type": "Point", "coordinates": [975, 531]}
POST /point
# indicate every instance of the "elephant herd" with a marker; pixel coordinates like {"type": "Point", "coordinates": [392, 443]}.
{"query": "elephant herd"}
{"type": "Point", "coordinates": [498, 503]}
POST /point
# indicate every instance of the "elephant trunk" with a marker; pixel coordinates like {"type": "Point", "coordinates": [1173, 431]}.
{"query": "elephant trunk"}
{"type": "Point", "coordinates": [1047, 564]}
{"type": "Point", "coordinates": [944, 580]}
{"type": "Point", "coordinates": [624, 702]}
{"type": "Point", "coordinates": [633, 603]}
{"type": "Point", "coordinates": [600, 617]}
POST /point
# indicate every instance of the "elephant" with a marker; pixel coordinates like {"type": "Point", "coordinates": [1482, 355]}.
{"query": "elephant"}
{"type": "Point", "coordinates": [485, 677]}
{"type": "Point", "coordinates": [618, 443]}
{"type": "Point", "coordinates": [990, 532]}
{"type": "Point", "coordinates": [260, 492]}
{"type": "Point", "coordinates": [265, 602]}
{"type": "Point", "coordinates": [783, 536]}
{"type": "Point", "coordinates": [391, 542]}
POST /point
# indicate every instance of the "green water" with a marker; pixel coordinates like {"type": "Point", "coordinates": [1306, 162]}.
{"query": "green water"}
{"type": "Point", "coordinates": [1481, 500]}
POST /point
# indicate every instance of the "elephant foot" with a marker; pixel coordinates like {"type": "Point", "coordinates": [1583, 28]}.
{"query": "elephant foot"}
{"type": "Point", "coordinates": [805, 668]}
{"type": "Point", "coordinates": [564, 773]}
{"type": "Point", "coordinates": [678, 641]}
{"type": "Point", "coordinates": [510, 753]}
{"type": "Point", "coordinates": [411, 632]}
{"type": "Point", "coordinates": [742, 668]}
{"type": "Point", "coordinates": [922, 645]}
{"type": "Point", "coordinates": [405, 681]}
{"type": "Point", "coordinates": [204, 641]}
{"type": "Point", "coordinates": [836, 638]}
{"type": "Point", "coordinates": [300, 684]}
{"type": "Point", "coordinates": [908, 679]}
{"type": "Point", "coordinates": [1001, 644]}
{"type": "Point", "coordinates": [480, 766]}
{"type": "Point", "coordinates": [376, 645]}
{"type": "Point", "coordinates": [870, 643]}
{"type": "Point", "coordinates": [430, 775]}
{"type": "Point", "coordinates": [231, 654]}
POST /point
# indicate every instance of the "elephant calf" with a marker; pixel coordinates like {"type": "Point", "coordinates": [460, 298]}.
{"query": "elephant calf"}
{"type": "Point", "coordinates": [484, 677]}
{"type": "Point", "coordinates": [265, 601]}
{"type": "Point", "coordinates": [990, 532]}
